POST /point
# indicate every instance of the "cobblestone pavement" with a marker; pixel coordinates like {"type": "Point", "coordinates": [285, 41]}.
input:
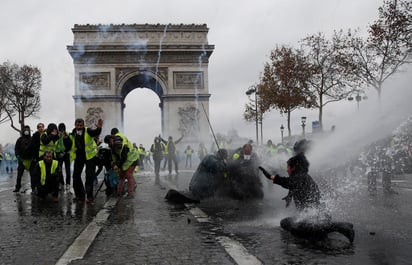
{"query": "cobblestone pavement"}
{"type": "Point", "coordinates": [149, 230]}
{"type": "Point", "coordinates": [142, 230]}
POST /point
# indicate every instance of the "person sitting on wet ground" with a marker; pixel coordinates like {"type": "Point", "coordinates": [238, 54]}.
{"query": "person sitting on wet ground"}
{"type": "Point", "coordinates": [46, 173]}
{"type": "Point", "coordinates": [313, 220]}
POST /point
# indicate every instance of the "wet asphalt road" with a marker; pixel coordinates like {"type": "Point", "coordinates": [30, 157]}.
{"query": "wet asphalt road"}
{"type": "Point", "coordinates": [148, 230]}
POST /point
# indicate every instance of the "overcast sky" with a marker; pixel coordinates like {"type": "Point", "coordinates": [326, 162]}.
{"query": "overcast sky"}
{"type": "Point", "coordinates": [244, 32]}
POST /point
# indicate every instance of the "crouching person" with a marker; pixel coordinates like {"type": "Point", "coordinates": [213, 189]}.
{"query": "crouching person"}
{"type": "Point", "coordinates": [125, 159]}
{"type": "Point", "coordinates": [46, 174]}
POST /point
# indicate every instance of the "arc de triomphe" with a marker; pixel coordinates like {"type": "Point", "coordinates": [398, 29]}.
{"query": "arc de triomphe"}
{"type": "Point", "coordinates": [172, 60]}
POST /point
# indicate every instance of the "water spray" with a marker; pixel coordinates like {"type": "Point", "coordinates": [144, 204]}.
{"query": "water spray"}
{"type": "Point", "coordinates": [210, 126]}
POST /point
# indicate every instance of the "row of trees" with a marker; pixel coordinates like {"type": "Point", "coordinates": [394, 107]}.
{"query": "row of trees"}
{"type": "Point", "coordinates": [322, 70]}
{"type": "Point", "coordinates": [20, 93]}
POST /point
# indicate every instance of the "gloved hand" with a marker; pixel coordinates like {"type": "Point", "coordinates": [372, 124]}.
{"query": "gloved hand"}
{"type": "Point", "coordinates": [267, 174]}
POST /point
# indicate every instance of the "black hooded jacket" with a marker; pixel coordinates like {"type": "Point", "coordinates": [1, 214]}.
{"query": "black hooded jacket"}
{"type": "Point", "coordinates": [23, 149]}
{"type": "Point", "coordinates": [301, 186]}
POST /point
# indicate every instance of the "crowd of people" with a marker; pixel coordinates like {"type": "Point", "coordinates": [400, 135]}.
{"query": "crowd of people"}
{"type": "Point", "coordinates": [221, 171]}
{"type": "Point", "coordinates": [56, 158]}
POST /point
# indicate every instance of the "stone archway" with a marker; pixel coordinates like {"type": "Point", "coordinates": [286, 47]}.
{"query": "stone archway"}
{"type": "Point", "coordinates": [172, 60]}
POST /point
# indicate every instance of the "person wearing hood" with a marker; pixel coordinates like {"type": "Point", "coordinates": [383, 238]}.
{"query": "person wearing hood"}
{"type": "Point", "coordinates": [313, 221]}
{"type": "Point", "coordinates": [24, 155]}
{"type": "Point", "coordinates": [49, 139]}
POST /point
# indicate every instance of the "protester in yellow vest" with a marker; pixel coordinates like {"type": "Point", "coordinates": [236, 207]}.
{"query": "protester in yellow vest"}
{"type": "Point", "coordinates": [9, 162]}
{"type": "Point", "coordinates": [84, 149]}
{"type": "Point", "coordinates": [201, 151]}
{"type": "Point", "coordinates": [124, 161]}
{"type": "Point", "coordinates": [46, 174]}
{"type": "Point", "coordinates": [62, 151]}
{"type": "Point", "coordinates": [35, 142]}
{"type": "Point", "coordinates": [49, 139]}
{"type": "Point", "coordinates": [157, 149]}
{"type": "Point", "coordinates": [171, 153]}
{"type": "Point", "coordinates": [188, 153]}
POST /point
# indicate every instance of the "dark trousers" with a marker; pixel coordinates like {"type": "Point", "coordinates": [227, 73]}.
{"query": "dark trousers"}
{"type": "Point", "coordinates": [65, 160]}
{"type": "Point", "coordinates": [20, 172]}
{"type": "Point", "coordinates": [79, 190]}
{"type": "Point", "coordinates": [172, 158]}
{"type": "Point", "coordinates": [316, 231]}
{"type": "Point", "coordinates": [157, 162]}
{"type": "Point", "coordinates": [51, 186]}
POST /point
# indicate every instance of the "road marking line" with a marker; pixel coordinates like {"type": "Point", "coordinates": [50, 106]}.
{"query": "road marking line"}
{"type": "Point", "coordinates": [234, 248]}
{"type": "Point", "coordinates": [200, 216]}
{"type": "Point", "coordinates": [81, 244]}
{"type": "Point", "coordinates": [237, 251]}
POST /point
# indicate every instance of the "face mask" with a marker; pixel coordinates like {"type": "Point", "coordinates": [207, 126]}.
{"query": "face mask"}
{"type": "Point", "coordinates": [79, 132]}
{"type": "Point", "coordinates": [247, 157]}
{"type": "Point", "coordinates": [26, 133]}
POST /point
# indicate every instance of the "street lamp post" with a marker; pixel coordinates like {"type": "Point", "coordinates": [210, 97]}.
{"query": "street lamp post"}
{"type": "Point", "coordinates": [358, 98]}
{"type": "Point", "coordinates": [303, 119]}
{"type": "Point", "coordinates": [281, 132]}
{"type": "Point", "coordinates": [253, 89]}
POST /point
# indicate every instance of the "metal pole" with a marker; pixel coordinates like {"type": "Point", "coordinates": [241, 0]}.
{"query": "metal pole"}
{"type": "Point", "coordinates": [210, 125]}
{"type": "Point", "coordinates": [257, 118]}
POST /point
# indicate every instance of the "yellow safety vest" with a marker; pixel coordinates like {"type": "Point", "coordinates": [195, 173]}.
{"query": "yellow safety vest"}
{"type": "Point", "coordinates": [42, 165]}
{"type": "Point", "coordinates": [51, 146]}
{"type": "Point", "coordinates": [132, 156]}
{"type": "Point", "coordinates": [172, 144]}
{"type": "Point", "coordinates": [72, 151]}
{"type": "Point", "coordinates": [189, 152]}
{"type": "Point", "coordinates": [90, 146]}
{"type": "Point", "coordinates": [125, 140]}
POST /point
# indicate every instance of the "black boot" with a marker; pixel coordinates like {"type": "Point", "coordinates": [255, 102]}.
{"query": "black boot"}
{"type": "Point", "coordinates": [17, 189]}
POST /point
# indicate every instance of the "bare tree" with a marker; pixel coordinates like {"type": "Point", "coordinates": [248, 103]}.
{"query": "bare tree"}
{"type": "Point", "coordinates": [254, 110]}
{"type": "Point", "coordinates": [3, 100]}
{"type": "Point", "coordinates": [387, 47]}
{"type": "Point", "coordinates": [21, 86]}
{"type": "Point", "coordinates": [285, 81]}
{"type": "Point", "coordinates": [331, 77]}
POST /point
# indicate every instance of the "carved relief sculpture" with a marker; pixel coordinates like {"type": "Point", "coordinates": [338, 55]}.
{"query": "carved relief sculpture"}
{"type": "Point", "coordinates": [189, 120]}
